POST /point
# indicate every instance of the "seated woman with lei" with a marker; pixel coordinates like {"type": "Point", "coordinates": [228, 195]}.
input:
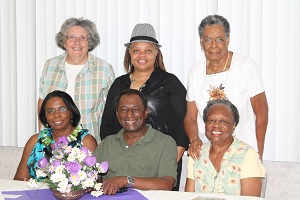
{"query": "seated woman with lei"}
{"type": "Point", "coordinates": [60, 116]}
{"type": "Point", "coordinates": [226, 165]}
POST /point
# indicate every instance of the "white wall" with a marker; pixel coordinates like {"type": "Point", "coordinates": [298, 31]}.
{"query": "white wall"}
{"type": "Point", "coordinates": [266, 31]}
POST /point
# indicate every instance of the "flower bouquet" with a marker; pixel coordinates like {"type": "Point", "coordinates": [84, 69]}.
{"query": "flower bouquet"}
{"type": "Point", "coordinates": [71, 169]}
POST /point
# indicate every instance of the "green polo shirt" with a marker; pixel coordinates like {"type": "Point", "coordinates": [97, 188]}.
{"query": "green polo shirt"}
{"type": "Point", "coordinates": [152, 156]}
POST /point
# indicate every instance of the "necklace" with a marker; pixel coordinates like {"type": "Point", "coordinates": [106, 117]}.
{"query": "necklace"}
{"type": "Point", "coordinates": [226, 62]}
{"type": "Point", "coordinates": [46, 135]}
{"type": "Point", "coordinates": [132, 80]}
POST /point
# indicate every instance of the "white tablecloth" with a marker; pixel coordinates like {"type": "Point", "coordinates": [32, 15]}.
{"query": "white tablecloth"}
{"type": "Point", "coordinates": [10, 185]}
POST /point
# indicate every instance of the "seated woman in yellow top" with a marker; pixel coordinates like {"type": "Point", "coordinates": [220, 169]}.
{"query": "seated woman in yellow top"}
{"type": "Point", "coordinates": [226, 165]}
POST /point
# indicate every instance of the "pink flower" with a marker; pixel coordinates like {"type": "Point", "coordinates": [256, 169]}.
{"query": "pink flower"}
{"type": "Point", "coordinates": [43, 162]}
{"type": "Point", "coordinates": [73, 167]}
{"type": "Point", "coordinates": [103, 167]}
{"type": "Point", "coordinates": [90, 160]}
{"type": "Point", "coordinates": [54, 165]}
{"type": "Point", "coordinates": [84, 150]}
{"type": "Point", "coordinates": [63, 140]}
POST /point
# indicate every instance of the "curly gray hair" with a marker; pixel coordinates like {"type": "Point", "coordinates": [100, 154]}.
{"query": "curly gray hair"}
{"type": "Point", "coordinates": [89, 26]}
{"type": "Point", "coordinates": [214, 20]}
{"type": "Point", "coordinates": [224, 102]}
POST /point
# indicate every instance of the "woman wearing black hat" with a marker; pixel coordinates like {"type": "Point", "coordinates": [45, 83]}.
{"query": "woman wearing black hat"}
{"type": "Point", "coordinates": [166, 95]}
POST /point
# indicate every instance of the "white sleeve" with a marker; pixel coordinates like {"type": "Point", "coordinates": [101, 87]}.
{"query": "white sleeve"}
{"type": "Point", "coordinates": [190, 90]}
{"type": "Point", "coordinates": [253, 78]}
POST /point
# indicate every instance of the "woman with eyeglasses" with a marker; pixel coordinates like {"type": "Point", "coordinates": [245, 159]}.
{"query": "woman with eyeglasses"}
{"type": "Point", "coordinates": [60, 116]}
{"type": "Point", "coordinates": [226, 165]}
{"type": "Point", "coordinates": [224, 74]}
{"type": "Point", "coordinates": [85, 77]}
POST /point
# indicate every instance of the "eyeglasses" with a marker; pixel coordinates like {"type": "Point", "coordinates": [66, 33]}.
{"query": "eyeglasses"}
{"type": "Point", "coordinates": [73, 38]}
{"type": "Point", "coordinates": [51, 111]}
{"type": "Point", "coordinates": [218, 40]}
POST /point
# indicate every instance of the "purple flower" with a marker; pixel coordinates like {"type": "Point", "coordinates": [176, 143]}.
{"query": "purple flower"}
{"type": "Point", "coordinates": [91, 175]}
{"type": "Point", "coordinates": [43, 162]}
{"type": "Point", "coordinates": [63, 140]}
{"type": "Point", "coordinates": [103, 167]}
{"type": "Point", "coordinates": [56, 163]}
{"type": "Point", "coordinates": [73, 167]}
{"type": "Point", "coordinates": [84, 150]}
{"type": "Point", "coordinates": [54, 146]}
{"type": "Point", "coordinates": [90, 160]}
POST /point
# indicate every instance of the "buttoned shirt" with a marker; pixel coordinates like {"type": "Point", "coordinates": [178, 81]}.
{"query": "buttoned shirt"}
{"type": "Point", "coordinates": [91, 87]}
{"type": "Point", "coordinates": [152, 156]}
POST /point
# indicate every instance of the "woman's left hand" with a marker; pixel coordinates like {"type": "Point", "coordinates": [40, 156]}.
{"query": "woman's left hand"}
{"type": "Point", "coordinates": [194, 148]}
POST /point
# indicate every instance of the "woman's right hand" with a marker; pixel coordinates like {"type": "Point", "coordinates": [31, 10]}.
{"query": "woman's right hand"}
{"type": "Point", "coordinates": [194, 148]}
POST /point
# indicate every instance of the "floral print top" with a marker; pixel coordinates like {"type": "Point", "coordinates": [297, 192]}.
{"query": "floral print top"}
{"type": "Point", "coordinates": [227, 180]}
{"type": "Point", "coordinates": [43, 147]}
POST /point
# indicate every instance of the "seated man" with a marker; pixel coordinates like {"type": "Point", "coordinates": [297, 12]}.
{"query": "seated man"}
{"type": "Point", "coordinates": [138, 156]}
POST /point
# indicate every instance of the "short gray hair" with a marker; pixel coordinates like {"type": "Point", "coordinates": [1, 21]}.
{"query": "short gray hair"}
{"type": "Point", "coordinates": [224, 102]}
{"type": "Point", "coordinates": [214, 20]}
{"type": "Point", "coordinates": [89, 26]}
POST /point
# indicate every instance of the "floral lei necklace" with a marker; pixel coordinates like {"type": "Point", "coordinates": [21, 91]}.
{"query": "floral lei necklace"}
{"type": "Point", "coordinates": [46, 136]}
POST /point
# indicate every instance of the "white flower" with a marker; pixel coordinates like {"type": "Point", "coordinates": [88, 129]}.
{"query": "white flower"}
{"type": "Point", "coordinates": [63, 186]}
{"type": "Point", "coordinates": [51, 168]}
{"type": "Point", "coordinates": [82, 175]}
{"type": "Point", "coordinates": [87, 183]}
{"type": "Point", "coordinates": [32, 183]}
{"type": "Point", "coordinates": [59, 169]}
{"type": "Point", "coordinates": [68, 149]}
{"type": "Point", "coordinates": [75, 150]}
{"type": "Point", "coordinates": [81, 156]}
{"type": "Point", "coordinates": [63, 180]}
{"type": "Point", "coordinates": [71, 157]}
{"type": "Point", "coordinates": [98, 186]}
{"type": "Point", "coordinates": [40, 173]}
{"type": "Point", "coordinates": [96, 193]}
{"type": "Point", "coordinates": [74, 178]}
{"type": "Point", "coordinates": [57, 177]}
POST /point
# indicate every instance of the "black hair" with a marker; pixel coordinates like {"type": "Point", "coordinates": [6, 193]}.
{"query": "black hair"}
{"type": "Point", "coordinates": [142, 97]}
{"type": "Point", "coordinates": [67, 99]}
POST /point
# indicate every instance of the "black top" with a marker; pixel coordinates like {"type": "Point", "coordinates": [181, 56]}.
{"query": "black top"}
{"type": "Point", "coordinates": [166, 105]}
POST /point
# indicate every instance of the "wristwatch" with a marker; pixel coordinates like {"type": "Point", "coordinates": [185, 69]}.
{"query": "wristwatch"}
{"type": "Point", "coordinates": [130, 181]}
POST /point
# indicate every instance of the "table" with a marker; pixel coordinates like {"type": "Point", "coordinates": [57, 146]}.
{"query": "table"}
{"type": "Point", "coordinates": [11, 185]}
